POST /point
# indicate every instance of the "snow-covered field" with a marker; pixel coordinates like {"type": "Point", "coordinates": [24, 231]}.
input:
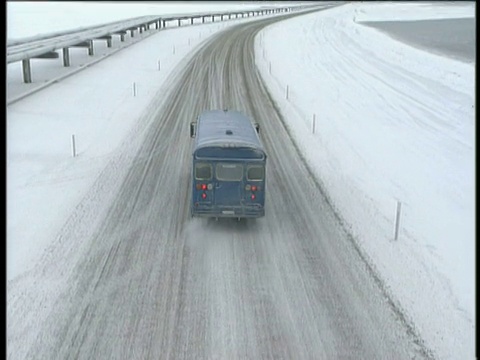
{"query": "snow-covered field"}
{"type": "Point", "coordinates": [379, 122]}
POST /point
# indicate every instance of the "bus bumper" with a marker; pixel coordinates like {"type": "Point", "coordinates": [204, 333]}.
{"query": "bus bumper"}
{"type": "Point", "coordinates": [229, 212]}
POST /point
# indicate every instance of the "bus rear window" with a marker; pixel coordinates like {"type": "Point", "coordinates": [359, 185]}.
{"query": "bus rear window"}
{"type": "Point", "coordinates": [229, 172]}
{"type": "Point", "coordinates": [203, 171]}
{"type": "Point", "coordinates": [255, 173]}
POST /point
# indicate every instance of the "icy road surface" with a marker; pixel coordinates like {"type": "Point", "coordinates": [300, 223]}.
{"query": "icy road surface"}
{"type": "Point", "coordinates": [139, 279]}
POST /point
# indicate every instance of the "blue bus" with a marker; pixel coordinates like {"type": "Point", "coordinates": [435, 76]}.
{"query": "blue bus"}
{"type": "Point", "coordinates": [228, 167]}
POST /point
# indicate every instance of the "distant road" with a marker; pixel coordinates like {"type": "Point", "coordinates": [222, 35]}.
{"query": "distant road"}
{"type": "Point", "coordinates": [451, 37]}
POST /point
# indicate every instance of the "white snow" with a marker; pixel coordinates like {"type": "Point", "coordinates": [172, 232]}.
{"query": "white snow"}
{"type": "Point", "coordinates": [392, 123]}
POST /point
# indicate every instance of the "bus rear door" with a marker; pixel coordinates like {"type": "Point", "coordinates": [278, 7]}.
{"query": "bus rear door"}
{"type": "Point", "coordinates": [229, 184]}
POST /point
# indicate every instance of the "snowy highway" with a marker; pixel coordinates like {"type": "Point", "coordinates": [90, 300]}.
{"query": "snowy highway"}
{"type": "Point", "coordinates": [149, 282]}
{"type": "Point", "coordinates": [362, 107]}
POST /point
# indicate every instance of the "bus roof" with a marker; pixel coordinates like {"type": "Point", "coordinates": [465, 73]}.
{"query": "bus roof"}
{"type": "Point", "coordinates": [226, 128]}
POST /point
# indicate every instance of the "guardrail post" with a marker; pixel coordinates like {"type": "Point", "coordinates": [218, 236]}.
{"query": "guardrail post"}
{"type": "Point", "coordinates": [90, 47]}
{"type": "Point", "coordinates": [66, 57]}
{"type": "Point", "coordinates": [73, 146]}
{"type": "Point", "coordinates": [27, 71]}
{"type": "Point", "coordinates": [397, 219]}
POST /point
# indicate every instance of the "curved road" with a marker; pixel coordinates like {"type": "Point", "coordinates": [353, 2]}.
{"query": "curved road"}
{"type": "Point", "coordinates": [149, 282]}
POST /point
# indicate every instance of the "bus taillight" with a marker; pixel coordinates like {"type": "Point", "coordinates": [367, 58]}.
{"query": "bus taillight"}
{"type": "Point", "coordinates": [249, 187]}
{"type": "Point", "coordinates": [204, 187]}
{"type": "Point", "coordinates": [204, 196]}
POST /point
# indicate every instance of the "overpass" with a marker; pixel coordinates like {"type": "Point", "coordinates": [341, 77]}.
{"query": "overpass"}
{"type": "Point", "coordinates": [46, 46]}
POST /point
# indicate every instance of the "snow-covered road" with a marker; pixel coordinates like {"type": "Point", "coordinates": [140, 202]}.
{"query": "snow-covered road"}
{"type": "Point", "coordinates": [392, 123]}
{"type": "Point", "coordinates": [146, 281]}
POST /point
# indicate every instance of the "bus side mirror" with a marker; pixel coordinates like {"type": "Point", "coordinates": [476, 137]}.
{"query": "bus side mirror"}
{"type": "Point", "coordinates": [193, 129]}
{"type": "Point", "coordinates": [257, 127]}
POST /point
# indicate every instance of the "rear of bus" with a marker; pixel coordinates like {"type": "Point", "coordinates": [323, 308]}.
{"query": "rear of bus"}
{"type": "Point", "coordinates": [228, 182]}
